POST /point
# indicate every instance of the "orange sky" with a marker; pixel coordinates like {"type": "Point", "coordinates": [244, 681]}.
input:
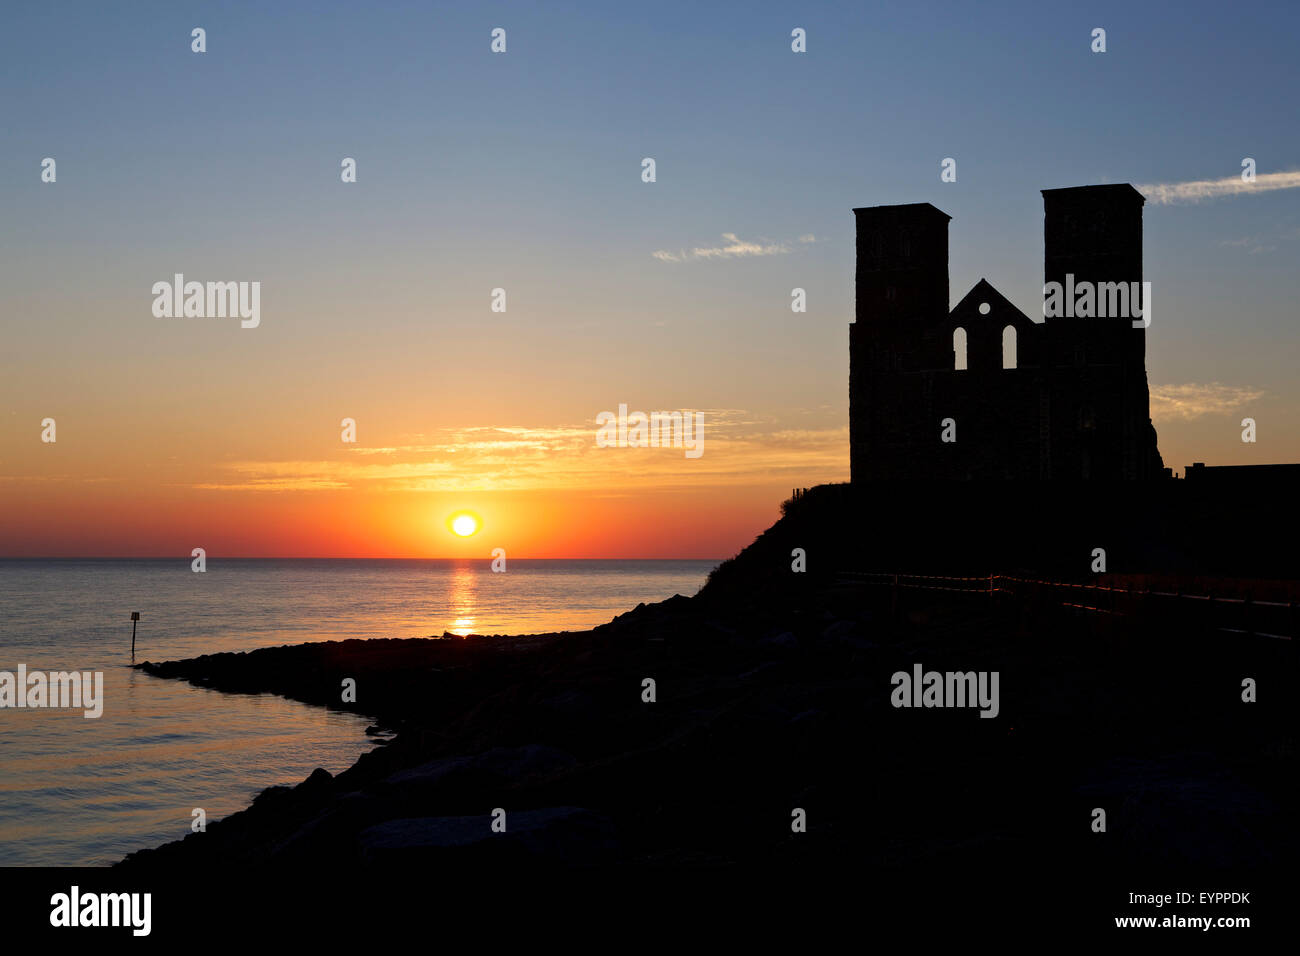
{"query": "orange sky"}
{"type": "Point", "coordinates": [540, 493]}
{"type": "Point", "coordinates": [172, 437]}
{"type": "Point", "coordinates": [108, 487]}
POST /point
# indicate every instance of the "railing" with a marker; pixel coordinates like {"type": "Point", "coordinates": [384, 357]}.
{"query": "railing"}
{"type": "Point", "coordinates": [1272, 619]}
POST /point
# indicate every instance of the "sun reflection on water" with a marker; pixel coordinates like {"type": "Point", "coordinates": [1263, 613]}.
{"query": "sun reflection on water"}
{"type": "Point", "coordinates": [463, 601]}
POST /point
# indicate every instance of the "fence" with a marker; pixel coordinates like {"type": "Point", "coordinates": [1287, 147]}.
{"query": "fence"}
{"type": "Point", "coordinates": [1271, 619]}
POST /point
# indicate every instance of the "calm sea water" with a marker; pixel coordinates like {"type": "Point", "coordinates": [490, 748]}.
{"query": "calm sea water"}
{"type": "Point", "coordinates": [85, 792]}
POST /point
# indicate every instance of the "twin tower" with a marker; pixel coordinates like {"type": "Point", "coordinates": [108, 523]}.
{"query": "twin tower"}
{"type": "Point", "coordinates": [981, 391]}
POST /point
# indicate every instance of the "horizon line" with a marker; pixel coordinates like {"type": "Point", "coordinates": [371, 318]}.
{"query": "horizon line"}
{"type": "Point", "coordinates": [244, 557]}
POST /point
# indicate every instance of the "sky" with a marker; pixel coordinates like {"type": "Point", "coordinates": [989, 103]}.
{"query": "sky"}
{"type": "Point", "coordinates": [522, 171]}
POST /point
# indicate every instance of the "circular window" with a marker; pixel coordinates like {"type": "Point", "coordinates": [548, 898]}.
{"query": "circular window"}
{"type": "Point", "coordinates": [985, 308]}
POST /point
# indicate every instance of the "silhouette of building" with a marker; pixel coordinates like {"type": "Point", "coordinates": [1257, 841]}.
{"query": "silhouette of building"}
{"type": "Point", "coordinates": [1064, 397]}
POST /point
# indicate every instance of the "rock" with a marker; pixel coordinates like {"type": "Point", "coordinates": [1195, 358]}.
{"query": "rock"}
{"type": "Point", "coordinates": [428, 774]}
{"type": "Point", "coordinates": [322, 836]}
{"type": "Point", "coordinates": [570, 834]}
{"type": "Point", "coordinates": [320, 777]}
{"type": "Point", "coordinates": [531, 759]}
{"type": "Point", "coordinates": [1186, 809]}
{"type": "Point", "coordinates": [839, 630]}
{"type": "Point", "coordinates": [571, 702]}
{"type": "Point", "coordinates": [271, 795]}
{"type": "Point", "coordinates": [511, 763]}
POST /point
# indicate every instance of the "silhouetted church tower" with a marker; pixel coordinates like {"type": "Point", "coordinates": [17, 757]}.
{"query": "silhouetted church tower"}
{"type": "Point", "coordinates": [1065, 397]}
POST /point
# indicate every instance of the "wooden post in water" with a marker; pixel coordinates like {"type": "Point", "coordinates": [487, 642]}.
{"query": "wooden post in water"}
{"type": "Point", "coordinates": [135, 616]}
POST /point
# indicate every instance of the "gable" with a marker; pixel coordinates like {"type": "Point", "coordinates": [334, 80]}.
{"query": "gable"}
{"type": "Point", "coordinates": [1001, 312]}
{"type": "Point", "coordinates": [993, 333]}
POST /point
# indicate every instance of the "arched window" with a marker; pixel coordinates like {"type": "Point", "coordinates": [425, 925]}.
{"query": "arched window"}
{"type": "Point", "coordinates": [959, 349]}
{"type": "Point", "coordinates": [1009, 347]}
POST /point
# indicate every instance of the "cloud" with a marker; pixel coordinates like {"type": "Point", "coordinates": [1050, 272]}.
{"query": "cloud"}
{"type": "Point", "coordinates": [1190, 401]}
{"type": "Point", "coordinates": [1254, 245]}
{"type": "Point", "coordinates": [1167, 194]}
{"type": "Point", "coordinates": [739, 449]}
{"type": "Point", "coordinates": [274, 484]}
{"type": "Point", "coordinates": [735, 248]}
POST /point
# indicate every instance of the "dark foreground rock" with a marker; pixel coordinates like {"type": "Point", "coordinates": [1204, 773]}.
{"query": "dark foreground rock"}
{"type": "Point", "coordinates": [764, 707]}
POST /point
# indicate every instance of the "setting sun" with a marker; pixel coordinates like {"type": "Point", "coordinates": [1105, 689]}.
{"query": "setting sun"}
{"type": "Point", "coordinates": [464, 524]}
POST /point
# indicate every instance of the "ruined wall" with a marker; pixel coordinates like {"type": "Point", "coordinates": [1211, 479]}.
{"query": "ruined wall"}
{"type": "Point", "coordinates": [1076, 406]}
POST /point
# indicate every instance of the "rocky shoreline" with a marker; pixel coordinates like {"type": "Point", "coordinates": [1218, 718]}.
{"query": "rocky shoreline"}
{"type": "Point", "coordinates": [771, 704]}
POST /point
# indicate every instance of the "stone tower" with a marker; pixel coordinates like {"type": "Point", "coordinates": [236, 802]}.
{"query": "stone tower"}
{"type": "Point", "coordinates": [1093, 235]}
{"type": "Point", "coordinates": [1046, 398]}
{"type": "Point", "coordinates": [902, 296]}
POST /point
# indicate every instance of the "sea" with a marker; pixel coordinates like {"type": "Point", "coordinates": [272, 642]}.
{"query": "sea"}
{"type": "Point", "coordinates": [76, 791]}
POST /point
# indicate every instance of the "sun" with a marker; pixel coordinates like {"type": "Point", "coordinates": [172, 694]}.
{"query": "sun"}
{"type": "Point", "coordinates": [464, 524]}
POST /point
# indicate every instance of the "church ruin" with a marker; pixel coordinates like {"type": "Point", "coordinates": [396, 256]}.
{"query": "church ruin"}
{"type": "Point", "coordinates": [1064, 397]}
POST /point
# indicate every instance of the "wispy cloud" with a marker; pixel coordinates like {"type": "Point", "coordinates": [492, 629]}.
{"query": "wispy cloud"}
{"type": "Point", "coordinates": [1254, 245]}
{"type": "Point", "coordinates": [1190, 401]}
{"type": "Point", "coordinates": [1199, 190]}
{"type": "Point", "coordinates": [738, 450]}
{"type": "Point", "coordinates": [735, 248]}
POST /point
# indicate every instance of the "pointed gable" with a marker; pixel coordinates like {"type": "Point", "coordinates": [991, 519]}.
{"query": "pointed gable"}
{"type": "Point", "coordinates": [1001, 312]}
{"type": "Point", "coordinates": [984, 313]}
